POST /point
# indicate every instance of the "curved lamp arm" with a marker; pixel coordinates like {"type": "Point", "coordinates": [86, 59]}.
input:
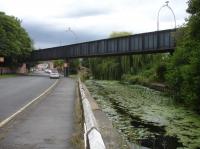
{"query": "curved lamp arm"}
{"type": "Point", "coordinates": [70, 30]}
{"type": "Point", "coordinates": [166, 5]}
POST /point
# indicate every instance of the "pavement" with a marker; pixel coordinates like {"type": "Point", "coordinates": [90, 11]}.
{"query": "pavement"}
{"type": "Point", "coordinates": [18, 91]}
{"type": "Point", "coordinates": [47, 125]}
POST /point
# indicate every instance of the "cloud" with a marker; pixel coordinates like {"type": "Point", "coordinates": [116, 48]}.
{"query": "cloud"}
{"type": "Point", "coordinates": [86, 13]}
{"type": "Point", "coordinates": [44, 37]}
{"type": "Point", "coordinates": [86, 8]}
{"type": "Point", "coordinates": [47, 21]}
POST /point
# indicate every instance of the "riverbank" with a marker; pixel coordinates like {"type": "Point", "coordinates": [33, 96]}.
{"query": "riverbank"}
{"type": "Point", "coordinates": [146, 116]}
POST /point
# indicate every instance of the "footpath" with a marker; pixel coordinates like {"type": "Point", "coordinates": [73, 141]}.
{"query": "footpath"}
{"type": "Point", "coordinates": [48, 125]}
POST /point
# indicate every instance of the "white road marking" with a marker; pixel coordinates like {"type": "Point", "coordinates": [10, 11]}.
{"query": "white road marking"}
{"type": "Point", "coordinates": [26, 106]}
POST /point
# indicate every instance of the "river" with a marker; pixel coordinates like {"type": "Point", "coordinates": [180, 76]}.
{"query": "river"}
{"type": "Point", "coordinates": [147, 117]}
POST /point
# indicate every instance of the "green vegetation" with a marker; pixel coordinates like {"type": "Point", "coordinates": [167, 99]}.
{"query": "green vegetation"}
{"type": "Point", "coordinates": [144, 115]}
{"type": "Point", "coordinates": [183, 73]}
{"type": "Point", "coordinates": [74, 64]}
{"type": "Point", "coordinates": [7, 76]}
{"type": "Point", "coordinates": [15, 44]}
{"type": "Point", "coordinates": [77, 138]}
{"type": "Point", "coordinates": [180, 72]}
{"type": "Point", "coordinates": [113, 68]}
{"type": "Point", "coordinates": [58, 64]}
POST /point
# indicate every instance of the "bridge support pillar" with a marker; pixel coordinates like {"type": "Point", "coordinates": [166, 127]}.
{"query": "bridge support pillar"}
{"type": "Point", "coordinates": [66, 68]}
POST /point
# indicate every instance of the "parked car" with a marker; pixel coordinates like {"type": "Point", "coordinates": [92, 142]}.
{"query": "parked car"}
{"type": "Point", "coordinates": [47, 71]}
{"type": "Point", "coordinates": [54, 74]}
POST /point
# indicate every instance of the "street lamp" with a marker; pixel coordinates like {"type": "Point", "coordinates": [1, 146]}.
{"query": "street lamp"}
{"type": "Point", "coordinates": [66, 64]}
{"type": "Point", "coordinates": [66, 68]}
{"type": "Point", "coordinates": [74, 34]}
{"type": "Point", "coordinates": [166, 5]}
{"type": "Point", "coordinates": [76, 39]}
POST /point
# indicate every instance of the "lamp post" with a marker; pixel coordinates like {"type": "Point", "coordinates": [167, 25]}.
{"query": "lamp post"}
{"type": "Point", "coordinates": [66, 68]}
{"type": "Point", "coordinates": [166, 5]}
{"type": "Point", "coordinates": [76, 38]}
{"type": "Point", "coordinates": [74, 34]}
{"type": "Point", "coordinates": [66, 64]}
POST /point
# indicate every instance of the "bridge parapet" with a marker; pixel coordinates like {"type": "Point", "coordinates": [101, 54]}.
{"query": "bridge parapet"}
{"type": "Point", "coordinates": [92, 137]}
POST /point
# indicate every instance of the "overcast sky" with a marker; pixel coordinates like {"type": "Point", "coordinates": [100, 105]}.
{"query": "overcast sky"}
{"type": "Point", "coordinates": [47, 21]}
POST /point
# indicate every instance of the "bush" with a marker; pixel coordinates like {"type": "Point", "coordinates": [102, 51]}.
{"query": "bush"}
{"type": "Point", "coordinates": [134, 79]}
{"type": "Point", "coordinates": [160, 72]}
{"type": "Point", "coordinates": [183, 73]}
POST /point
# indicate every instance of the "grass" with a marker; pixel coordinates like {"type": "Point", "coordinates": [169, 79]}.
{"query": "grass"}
{"type": "Point", "coordinates": [77, 138]}
{"type": "Point", "coordinates": [74, 76]}
{"type": "Point", "coordinates": [7, 76]}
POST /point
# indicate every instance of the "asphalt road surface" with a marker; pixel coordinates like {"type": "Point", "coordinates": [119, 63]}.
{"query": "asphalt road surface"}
{"type": "Point", "coordinates": [47, 125]}
{"type": "Point", "coordinates": [18, 91]}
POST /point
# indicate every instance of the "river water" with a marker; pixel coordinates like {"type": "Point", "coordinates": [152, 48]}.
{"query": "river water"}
{"type": "Point", "coordinates": [147, 117]}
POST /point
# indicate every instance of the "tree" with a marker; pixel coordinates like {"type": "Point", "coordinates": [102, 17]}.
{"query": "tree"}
{"type": "Point", "coordinates": [194, 19]}
{"type": "Point", "coordinates": [113, 68]}
{"type": "Point", "coordinates": [15, 43]}
{"type": "Point", "coordinates": [108, 68]}
{"type": "Point", "coordinates": [59, 64]}
{"type": "Point", "coordinates": [119, 34]}
{"type": "Point", "coordinates": [183, 74]}
{"type": "Point", "coordinates": [73, 65]}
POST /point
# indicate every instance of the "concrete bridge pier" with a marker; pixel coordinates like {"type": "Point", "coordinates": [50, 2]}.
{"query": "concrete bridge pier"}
{"type": "Point", "coordinates": [22, 69]}
{"type": "Point", "coordinates": [66, 68]}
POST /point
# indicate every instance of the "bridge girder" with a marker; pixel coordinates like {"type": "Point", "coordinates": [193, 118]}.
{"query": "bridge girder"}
{"type": "Point", "coordinates": [144, 43]}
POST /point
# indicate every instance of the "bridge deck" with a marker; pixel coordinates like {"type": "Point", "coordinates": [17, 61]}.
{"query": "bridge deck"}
{"type": "Point", "coordinates": [151, 42]}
